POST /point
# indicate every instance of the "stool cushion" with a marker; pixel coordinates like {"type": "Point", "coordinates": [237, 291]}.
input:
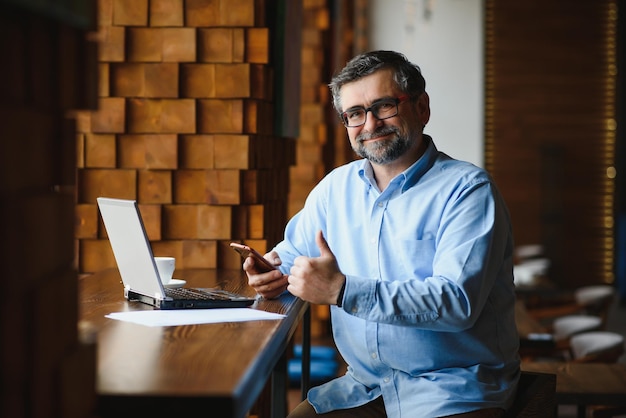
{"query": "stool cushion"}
{"type": "Point", "coordinates": [321, 370]}
{"type": "Point", "coordinates": [595, 342]}
{"type": "Point", "coordinates": [566, 326]}
{"type": "Point", "coordinates": [317, 352]}
{"type": "Point", "coordinates": [588, 295]}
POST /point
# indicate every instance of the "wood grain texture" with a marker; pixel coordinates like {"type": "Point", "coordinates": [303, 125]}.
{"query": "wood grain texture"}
{"type": "Point", "coordinates": [224, 366]}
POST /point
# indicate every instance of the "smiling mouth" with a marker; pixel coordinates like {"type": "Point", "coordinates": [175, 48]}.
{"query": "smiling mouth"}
{"type": "Point", "coordinates": [376, 136]}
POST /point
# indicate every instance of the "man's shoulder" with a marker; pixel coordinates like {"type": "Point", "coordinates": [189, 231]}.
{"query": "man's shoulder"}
{"type": "Point", "coordinates": [463, 168]}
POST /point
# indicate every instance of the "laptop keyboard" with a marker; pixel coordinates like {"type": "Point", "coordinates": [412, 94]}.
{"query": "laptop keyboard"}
{"type": "Point", "coordinates": [204, 294]}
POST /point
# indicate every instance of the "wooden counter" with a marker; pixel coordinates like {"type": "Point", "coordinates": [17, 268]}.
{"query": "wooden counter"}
{"type": "Point", "coordinates": [220, 368]}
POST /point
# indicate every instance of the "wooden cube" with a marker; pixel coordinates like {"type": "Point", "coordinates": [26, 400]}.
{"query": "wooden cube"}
{"type": "Point", "coordinates": [221, 187]}
{"type": "Point", "coordinates": [99, 150]}
{"type": "Point", "coordinates": [232, 80]}
{"type": "Point", "coordinates": [131, 151]}
{"type": "Point", "coordinates": [86, 221]}
{"type": "Point", "coordinates": [232, 151]}
{"type": "Point", "coordinates": [93, 183]}
{"type": "Point", "coordinates": [220, 45]}
{"type": "Point", "coordinates": [145, 80]}
{"type": "Point", "coordinates": [196, 151]}
{"type": "Point", "coordinates": [83, 120]}
{"type": "Point", "coordinates": [152, 220]}
{"type": "Point", "coordinates": [236, 13]}
{"type": "Point", "coordinates": [312, 113]}
{"type": "Point", "coordinates": [104, 87]}
{"type": "Point", "coordinates": [198, 80]}
{"type": "Point", "coordinates": [257, 45]}
{"type": "Point", "coordinates": [145, 44]}
{"type": "Point", "coordinates": [166, 13]}
{"type": "Point", "coordinates": [220, 116]}
{"type": "Point", "coordinates": [259, 117]}
{"type": "Point", "coordinates": [179, 44]}
{"type": "Point", "coordinates": [130, 13]}
{"type": "Point", "coordinates": [110, 116]}
{"type": "Point", "coordinates": [148, 151]}
{"type": "Point", "coordinates": [112, 44]}
{"type": "Point", "coordinates": [170, 248]}
{"type": "Point", "coordinates": [196, 222]}
{"type": "Point", "coordinates": [128, 79]}
{"type": "Point", "coordinates": [227, 258]}
{"type": "Point", "coordinates": [161, 80]}
{"type": "Point", "coordinates": [200, 254]}
{"type": "Point", "coordinates": [105, 12]}
{"type": "Point", "coordinates": [261, 82]}
{"type": "Point", "coordinates": [202, 12]}
{"type": "Point", "coordinates": [161, 151]}
{"type": "Point", "coordinates": [154, 186]}
{"type": "Point", "coordinates": [161, 116]}
{"type": "Point", "coordinates": [80, 150]}
{"type": "Point", "coordinates": [95, 255]}
{"type": "Point", "coordinates": [239, 45]}
{"type": "Point", "coordinates": [256, 225]}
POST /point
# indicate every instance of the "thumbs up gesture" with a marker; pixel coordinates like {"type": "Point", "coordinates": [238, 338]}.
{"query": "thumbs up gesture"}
{"type": "Point", "coordinates": [317, 279]}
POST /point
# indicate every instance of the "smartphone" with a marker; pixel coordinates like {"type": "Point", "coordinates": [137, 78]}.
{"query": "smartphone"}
{"type": "Point", "coordinates": [247, 251]}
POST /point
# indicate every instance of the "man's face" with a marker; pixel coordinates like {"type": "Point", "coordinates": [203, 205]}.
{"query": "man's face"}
{"type": "Point", "coordinates": [381, 141]}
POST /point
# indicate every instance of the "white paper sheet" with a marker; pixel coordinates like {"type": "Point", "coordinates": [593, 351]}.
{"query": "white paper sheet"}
{"type": "Point", "coordinates": [158, 318]}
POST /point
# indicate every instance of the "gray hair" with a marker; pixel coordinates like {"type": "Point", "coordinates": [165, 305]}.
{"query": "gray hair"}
{"type": "Point", "coordinates": [407, 76]}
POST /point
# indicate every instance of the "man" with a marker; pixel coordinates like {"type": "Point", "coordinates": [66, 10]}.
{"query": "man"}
{"type": "Point", "coordinates": [413, 250]}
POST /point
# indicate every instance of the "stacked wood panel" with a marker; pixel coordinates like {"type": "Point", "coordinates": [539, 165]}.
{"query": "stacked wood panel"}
{"type": "Point", "coordinates": [184, 126]}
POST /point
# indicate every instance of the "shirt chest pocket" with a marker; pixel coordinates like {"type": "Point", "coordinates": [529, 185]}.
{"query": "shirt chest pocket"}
{"type": "Point", "coordinates": [416, 256]}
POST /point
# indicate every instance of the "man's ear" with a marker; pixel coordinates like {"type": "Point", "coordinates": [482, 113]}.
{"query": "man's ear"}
{"type": "Point", "coordinates": [423, 107]}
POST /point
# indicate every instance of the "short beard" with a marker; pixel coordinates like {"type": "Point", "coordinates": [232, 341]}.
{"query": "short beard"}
{"type": "Point", "coordinates": [382, 152]}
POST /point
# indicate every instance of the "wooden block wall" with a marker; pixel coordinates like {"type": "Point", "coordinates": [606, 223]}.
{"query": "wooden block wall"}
{"type": "Point", "coordinates": [184, 126]}
{"type": "Point", "coordinates": [315, 101]}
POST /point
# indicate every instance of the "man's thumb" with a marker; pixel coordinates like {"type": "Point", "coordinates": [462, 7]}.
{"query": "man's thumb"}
{"type": "Point", "coordinates": [322, 245]}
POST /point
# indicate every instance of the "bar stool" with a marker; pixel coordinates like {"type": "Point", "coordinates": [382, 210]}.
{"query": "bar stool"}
{"type": "Point", "coordinates": [528, 251]}
{"type": "Point", "coordinates": [569, 325]}
{"type": "Point", "coordinates": [527, 271]}
{"type": "Point", "coordinates": [556, 343]}
{"type": "Point", "coordinates": [596, 346]}
{"type": "Point", "coordinates": [593, 300]}
{"type": "Point", "coordinates": [596, 300]}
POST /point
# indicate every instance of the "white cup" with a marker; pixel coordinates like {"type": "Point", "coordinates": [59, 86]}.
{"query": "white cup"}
{"type": "Point", "coordinates": [165, 266]}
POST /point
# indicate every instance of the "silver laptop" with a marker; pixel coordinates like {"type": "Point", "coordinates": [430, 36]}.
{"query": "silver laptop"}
{"type": "Point", "coordinates": [140, 276]}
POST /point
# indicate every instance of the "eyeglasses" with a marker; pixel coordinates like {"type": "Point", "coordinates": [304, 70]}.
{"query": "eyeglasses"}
{"type": "Point", "coordinates": [381, 109]}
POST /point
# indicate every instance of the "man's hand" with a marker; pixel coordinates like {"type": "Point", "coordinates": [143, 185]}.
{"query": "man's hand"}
{"type": "Point", "coordinates": [317, 280]}
{"type": "Point", "coordinates": [270, 284]}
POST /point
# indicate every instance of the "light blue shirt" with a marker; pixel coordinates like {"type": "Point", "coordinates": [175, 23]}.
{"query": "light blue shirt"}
{"type": "Point", "coordinates": [427, 319]}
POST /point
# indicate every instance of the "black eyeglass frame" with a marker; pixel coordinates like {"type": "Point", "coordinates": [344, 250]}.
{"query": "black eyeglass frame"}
{"type": "Point", "coordinates": [373, 108]}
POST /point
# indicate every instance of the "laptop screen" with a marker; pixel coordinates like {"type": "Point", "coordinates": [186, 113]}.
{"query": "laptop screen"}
{"type": "Point", "coordinates": [131, 246]}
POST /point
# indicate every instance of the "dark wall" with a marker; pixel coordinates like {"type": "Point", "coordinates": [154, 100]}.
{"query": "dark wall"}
{"type": "Point", "coordinates": [551, 74]}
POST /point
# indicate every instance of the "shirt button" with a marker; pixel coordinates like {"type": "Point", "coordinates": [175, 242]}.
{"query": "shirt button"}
{"type": "Point", "coordinates": [373, 355]}
{"type": "Point", "coordinates": [355, 310]}
{"type": "Point", "coordinates": [380, 205]}
{"type": "Point", "coordinates": [386, 380]}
